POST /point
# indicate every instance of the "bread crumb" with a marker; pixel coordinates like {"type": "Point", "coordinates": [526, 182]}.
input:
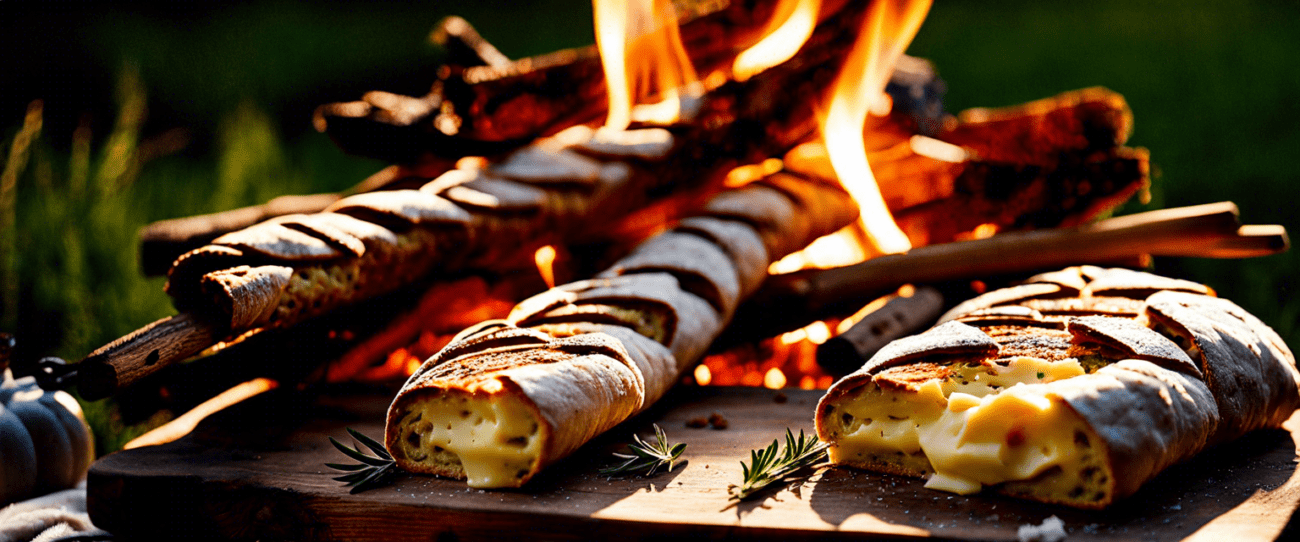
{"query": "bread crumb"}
{"type": "Point", "coordinates": [697, 423]}
{"type": "Point", "coordinates": [717, 421]}
{"type": "Point", "coordinates": [780, 398]}
{"type": "Point", "coordinates": [1051, 530]}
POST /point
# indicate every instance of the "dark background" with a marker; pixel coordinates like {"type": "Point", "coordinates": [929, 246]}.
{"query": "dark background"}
{"type": "Point", "coordinates": [227, 90]}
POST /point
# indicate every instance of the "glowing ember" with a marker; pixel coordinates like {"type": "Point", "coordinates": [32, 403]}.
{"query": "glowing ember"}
{"type": "Point", "coordinates": [746, 174]}
{"type": "Point", "coordinates": [702, 375]}
{"type": "Point", "coordinates": [774, 379]}
{"type": "Point", "coordinates": [818, 332]}
{"type": "Point", "coordinates": [545, 259]}
{"type": "Point", "coordinates": [930, 147]}
{"type": "Point", "coordinates": [887, 29]}
{"type": "Point", "coordinates": [841, 248]}
{"type": "Point", "coordinates": [982, 232]}
{"type": "Point", "coordinates": [642, 55]}
{"type": "Point", "coordinates": [791, 26]}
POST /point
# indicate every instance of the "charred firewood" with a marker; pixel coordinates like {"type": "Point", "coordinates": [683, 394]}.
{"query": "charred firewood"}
{"type": "Point", "coordinates": [496, 106]}
{"type": "Point", "coordinates": [399, 128]}
{"type": "Point", "coordinates": [1052, 162]}
{"type": "Point", "coordinates": [493, 108]}
{"type": "Point", "coordinates": [1024, 197]}
{"type": "Point", "coordinates": [1092, 119]}
{"type": "Point", "coordinates": [295, 267]}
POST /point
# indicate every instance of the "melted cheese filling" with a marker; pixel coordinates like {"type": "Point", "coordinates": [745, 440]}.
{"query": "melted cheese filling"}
{"type": "Point", "coordinates": [495, 439]}
{"type": "Point", "coordinates": [982, 425]}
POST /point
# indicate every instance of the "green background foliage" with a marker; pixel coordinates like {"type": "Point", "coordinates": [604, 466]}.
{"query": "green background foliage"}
{"type": "Point", "coordinates": [159, 112]}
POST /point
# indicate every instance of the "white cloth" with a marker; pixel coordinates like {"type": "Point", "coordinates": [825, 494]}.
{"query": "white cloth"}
{"type": "Point", "coordinates": [49, 517]}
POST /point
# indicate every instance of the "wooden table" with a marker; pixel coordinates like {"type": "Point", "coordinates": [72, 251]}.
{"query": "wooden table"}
{"type": "Point", "coordinates": [256, 472]}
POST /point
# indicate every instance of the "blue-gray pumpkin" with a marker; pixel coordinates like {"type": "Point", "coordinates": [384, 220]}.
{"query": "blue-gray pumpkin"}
{"type": "Point", "coordinates": [45, 444]}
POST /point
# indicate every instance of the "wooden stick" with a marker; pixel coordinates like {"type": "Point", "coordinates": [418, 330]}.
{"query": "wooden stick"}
{"type": "Point", "coordinates": [894, 317]}
{"type": "Point", "coordinates": [1208, 231]}
{"type": "Point", "coordinates": [143, 353]}
{"type": "Point", "coordinates": [1252, 240]}
{"type": "Point", "coordinates": [186, 422]}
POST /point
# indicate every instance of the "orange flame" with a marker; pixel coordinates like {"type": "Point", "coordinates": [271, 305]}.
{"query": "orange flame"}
{"type": "Point", "coordinates": [643, 57]}
{"type": "Point", "coordinates": [841, 248]}
{"type": "Point", "coordinates": [791, 26]}
{"type": "Point", "coordinates": [887, 29]}
{"type": "Point", "coordinates": [545, 260]}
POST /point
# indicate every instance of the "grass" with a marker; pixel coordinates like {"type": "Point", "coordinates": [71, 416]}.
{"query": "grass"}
{"type": "Point", "coordinates": [71, 258]}
{"type": "Point", "coordinates": [186, 112]}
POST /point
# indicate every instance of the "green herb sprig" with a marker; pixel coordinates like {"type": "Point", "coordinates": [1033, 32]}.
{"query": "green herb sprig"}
{"type": "Point", "coordinates": [373, 470]}
{"type": "Point", "coordinates": [647, 456]}
{"type": "Point", "coordinates": [767, 466]}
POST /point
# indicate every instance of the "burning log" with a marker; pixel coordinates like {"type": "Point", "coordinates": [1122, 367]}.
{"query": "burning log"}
{"type": "Point", "coordinates": [1051, 149]}
{"type": "Point", "coordinates": [488, 109]}
{"type": "Point", "coordinates": [577, 360]}
{"type": "Point", "coordinates": [291, 268]}
{"type": "Point", "coordinates": [915, 87]}
{"type": "Point", "coordinates": [1052, 162]}
{"type": "Point", "coordinates": [792, 300]}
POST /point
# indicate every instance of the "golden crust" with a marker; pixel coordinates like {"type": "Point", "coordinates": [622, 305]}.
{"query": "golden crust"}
{"type": "Point", "coordinates": [1030, 341]}
{"type": "Point", "coordinates": [908, 377]}
{"type": "Point", "coordinates": [947, 340]}
{"type": "Point", "coordinates": [1134, 340]}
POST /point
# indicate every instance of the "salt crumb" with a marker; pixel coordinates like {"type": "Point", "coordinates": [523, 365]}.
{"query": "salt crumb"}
{"type": "Point", "coordinates": [1052, 530]}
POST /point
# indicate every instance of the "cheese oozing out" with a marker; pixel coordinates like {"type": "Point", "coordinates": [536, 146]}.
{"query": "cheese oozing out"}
{"type": "Point", "coordinates": [982, 425]}
{"type": "Point", "coordinates": [492, 439]}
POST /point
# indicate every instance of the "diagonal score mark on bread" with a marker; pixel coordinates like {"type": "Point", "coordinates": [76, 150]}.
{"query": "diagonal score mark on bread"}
{"type": "Point", "coordinates": [1074, 388]}
{"type": "Point", "coordinates": [507, 398]}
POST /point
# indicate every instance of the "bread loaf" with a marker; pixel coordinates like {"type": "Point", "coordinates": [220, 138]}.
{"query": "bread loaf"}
{"type": "Point", "coordinates": [1074, 388]}
{"type": "Point", "coordinates": [507, 398]}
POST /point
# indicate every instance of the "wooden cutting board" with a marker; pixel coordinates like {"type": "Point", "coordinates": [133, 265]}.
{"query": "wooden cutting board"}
{"type": "Point", "coordinates": [257, 472]}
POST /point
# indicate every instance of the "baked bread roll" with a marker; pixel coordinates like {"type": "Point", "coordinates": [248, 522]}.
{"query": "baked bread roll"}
{"type": "Point", "coordinates": [507, 398]}
{"type": "Point", "coordinates": [478, 216]}
{"type": "Point", "coordinates": [1074, 388]}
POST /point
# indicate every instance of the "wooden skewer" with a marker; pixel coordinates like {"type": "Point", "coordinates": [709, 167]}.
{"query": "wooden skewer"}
{"type": "Point", "coordinates": [1251, 240]}
{"type": "Point", "coordinates": [143, 353]}
{"type": "Point", "coordinates": [1208, 231]}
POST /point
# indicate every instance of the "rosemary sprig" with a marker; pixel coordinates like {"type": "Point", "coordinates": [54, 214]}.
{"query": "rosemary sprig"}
{"type": "Point", "coordinates": [647, 456]}
{"type": "Point", "coordinates": [373, 470]}
{"type": "Point", "coordinates": [767, 467]}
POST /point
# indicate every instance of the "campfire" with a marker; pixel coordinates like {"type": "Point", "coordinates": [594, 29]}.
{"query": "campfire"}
{"type": "Point", "coordinates": [726, 222]}
{"type": "Point", "coordinates": [676, 103]}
